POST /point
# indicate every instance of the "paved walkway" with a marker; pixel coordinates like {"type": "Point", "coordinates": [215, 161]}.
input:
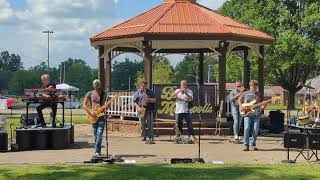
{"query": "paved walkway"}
{"type": "Point", "coordinates": [130, 147]}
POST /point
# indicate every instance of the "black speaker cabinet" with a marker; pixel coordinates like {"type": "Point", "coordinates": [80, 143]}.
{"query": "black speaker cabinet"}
{"type": "Point", "coordinates": [60, 138]}
{"type": "Point", "coordinates": [23, 140]}
{"type": "Point", "coordinates": [295, 140]}
{"type": "Point", "coordinates": [71, 134]}
{"type": "Point", "coordinates": [314, 141]}
{"type": "Point", "coordinates": [39, 139]}
{"type": "Point", "coordinates": [3, 142]}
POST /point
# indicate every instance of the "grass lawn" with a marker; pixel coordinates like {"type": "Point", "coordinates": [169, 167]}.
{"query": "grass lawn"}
{"type": "Point", "coordinates": [165, 172]}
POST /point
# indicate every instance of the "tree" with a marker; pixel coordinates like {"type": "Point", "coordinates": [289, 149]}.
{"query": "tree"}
{"type": "Point", "coordinates": [187, 69]}
{"type": "Point", "coordinates": [125, 71]}
{"type": "Point", "coordinates": [295, 25]}
{"type": "Point", "coordinates": [23, 79]}
{"type": "Point", "coordinates": [10, 62]}
{"type": "Point", "coordinates": [162, 71]}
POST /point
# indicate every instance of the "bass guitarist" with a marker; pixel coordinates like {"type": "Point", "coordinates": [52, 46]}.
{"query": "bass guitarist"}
{"type": "Point", "coordinates": [252, 119]}
{"type": "Point", "coordinates": [92, 98]}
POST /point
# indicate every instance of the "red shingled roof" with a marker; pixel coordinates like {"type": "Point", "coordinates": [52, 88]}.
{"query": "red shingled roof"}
{"type": "Point", "coordinates": [180, 17]}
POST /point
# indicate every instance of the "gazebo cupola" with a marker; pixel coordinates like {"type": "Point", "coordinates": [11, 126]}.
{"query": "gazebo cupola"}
{"type": "Point", "coordinates": [181, 26]}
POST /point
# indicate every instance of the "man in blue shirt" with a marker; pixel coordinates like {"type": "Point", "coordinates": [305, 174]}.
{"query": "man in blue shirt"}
{"type": "Point", "coordinates": [144, 102]}
{"type": "Point", "coordinates": [233, 98]}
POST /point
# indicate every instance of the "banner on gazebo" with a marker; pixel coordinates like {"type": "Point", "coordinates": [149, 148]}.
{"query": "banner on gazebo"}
{"type": "Point", "coordinates": [166, 104]}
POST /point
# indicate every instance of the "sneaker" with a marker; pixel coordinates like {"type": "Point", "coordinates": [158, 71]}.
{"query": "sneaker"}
{"type": "Point", "coordinates": [240, 138]}
{"type": "Point", "coordinates": [254, 148]}
{"type": "Point", "coordinates": [236, 137]}
{"type": "Point", "coordinates": [96, 155]}
{"type": "Point", "coordinates": [143, 138]}
{"type": "Point", "coordinates": [246, 148]}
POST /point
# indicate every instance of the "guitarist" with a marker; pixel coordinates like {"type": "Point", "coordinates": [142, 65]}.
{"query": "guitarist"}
{"type": "Point", "coordinates": [233, 97]}
{"type": "Point", "coordinates": [92, 98]}
{"type": "Point", "coordinates": [144, 100]}
{"type": "Point", "coordinates": [251, 120]}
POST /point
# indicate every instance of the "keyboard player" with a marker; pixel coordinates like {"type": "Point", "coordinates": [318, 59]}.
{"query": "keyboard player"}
{"type": "Point", "coordinates": [48, 100]}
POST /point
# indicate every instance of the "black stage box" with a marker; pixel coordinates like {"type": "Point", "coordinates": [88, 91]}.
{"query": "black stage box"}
{"type": "Point", "coordinates": [277, 120]}
{"type": "Point", "coordinates": [297, 140]}
{"type": "Point", "coordinates": [3, 142]}
{"type": "Point", "coordinates": [43, 138]}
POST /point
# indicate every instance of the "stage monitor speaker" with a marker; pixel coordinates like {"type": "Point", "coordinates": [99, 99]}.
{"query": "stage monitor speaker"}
{"type": "Point", "coordinates": [3, 142]}
{"type": "Point", "coordinates": [33, 119]}
{"type": "Point", "coordinates": [277, 120]}
{"type": "Point", "coordinates": [297, 140]}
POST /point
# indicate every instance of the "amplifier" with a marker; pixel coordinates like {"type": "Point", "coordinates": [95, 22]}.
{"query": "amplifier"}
{"type": "Point", "coordinates": [295, 140]}
{"type": "Point", "coordinates": [3, 142]}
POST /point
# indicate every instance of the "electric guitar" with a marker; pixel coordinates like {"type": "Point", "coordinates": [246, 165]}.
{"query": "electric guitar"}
{"type": "Point", "coordinates": [98, 111]}
{"type": "Point", "coordinates": [248, 108]}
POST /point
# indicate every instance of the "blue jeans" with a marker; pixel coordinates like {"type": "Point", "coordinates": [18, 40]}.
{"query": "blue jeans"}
{"type": "Point", "coordinates": [98, 129]}
{"type": "Point", "coordinates": [188, 119]}
{"type": "Point", "coordinates": [237, 120]}
{"type": "Point", "coordinates": [251, 122]}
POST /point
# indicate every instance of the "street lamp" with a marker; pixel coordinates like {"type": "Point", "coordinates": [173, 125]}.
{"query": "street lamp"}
{"type": "Point", "coordinates": [48, 32]}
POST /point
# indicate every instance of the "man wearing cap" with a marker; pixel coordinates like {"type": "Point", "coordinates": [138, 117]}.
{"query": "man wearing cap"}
{"type": "Point", "coordinates": [92, 98]}
{"type": "Point", "coordinates": [144, 100]}
{"type": "Point", "coordinates": [251, 120]}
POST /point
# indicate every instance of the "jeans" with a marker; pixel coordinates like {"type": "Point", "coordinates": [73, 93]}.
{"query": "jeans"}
{"type": "Point", "coordinates": [98, 129]}
{"type": "Point", "coordinates": [147, 121]}
{"type": "Point", "coordinates": [54, 112]}
{"type": "Point", "coordinates": [251, 122]}
{"type": "Point", "coordinates": [237, 120]}
{"type": "Point", "coordinates": [188, 119]}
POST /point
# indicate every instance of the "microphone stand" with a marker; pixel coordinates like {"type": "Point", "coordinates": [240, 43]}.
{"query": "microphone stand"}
{"type": "Point", "coordinates": [288, 160]}
{"type": "Point", "coordinates": [200, 121]}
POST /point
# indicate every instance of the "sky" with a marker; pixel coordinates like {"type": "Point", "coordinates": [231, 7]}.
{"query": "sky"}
{"type": "Point", "coordinates": [73, 22]}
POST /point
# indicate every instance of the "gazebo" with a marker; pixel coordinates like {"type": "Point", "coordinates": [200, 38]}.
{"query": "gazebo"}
{"type": "Point", "coordinates": [181, 26]}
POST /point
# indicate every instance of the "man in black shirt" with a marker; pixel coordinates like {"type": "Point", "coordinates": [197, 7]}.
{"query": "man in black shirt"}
{"type": "Point", "coordinates": [45, 79]}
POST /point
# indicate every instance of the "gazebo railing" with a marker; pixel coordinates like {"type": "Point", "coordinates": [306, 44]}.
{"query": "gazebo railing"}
{"type": "Point", "coordinates": [122, 106]}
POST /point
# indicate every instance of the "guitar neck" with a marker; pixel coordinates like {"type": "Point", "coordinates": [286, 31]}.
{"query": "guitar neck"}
{"type": "Point", "coordinates": [260, 104]}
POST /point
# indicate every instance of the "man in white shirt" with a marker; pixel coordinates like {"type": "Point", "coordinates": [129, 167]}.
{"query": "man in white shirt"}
{"type": "Point", "coordinates": [184, 98]}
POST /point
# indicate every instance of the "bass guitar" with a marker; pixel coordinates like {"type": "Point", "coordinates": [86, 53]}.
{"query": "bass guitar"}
{"type": "Point", "coordinates": [98, 111]}
{"type": "Point", "coordinates": [248, 108]}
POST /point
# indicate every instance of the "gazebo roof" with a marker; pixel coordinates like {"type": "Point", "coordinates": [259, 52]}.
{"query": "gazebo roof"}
{"type": "Point", "coordinates": [184, 17]}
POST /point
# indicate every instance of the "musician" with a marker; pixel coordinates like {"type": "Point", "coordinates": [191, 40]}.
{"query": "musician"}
{"type": "Point", "coordinates": [92, 98]}
{"type": "Point", "coordinates": [48, 101]}
{"type": "Point", "coordinates": [184, 98]}
{"type": "Point", "coordinates": [251, 120]}
{"type": "Point", "coordinates": [233, 97]}
{"type": "Point", "coordinates": [308, 106]}
{"type": "Point", "coordinates": [144, 100]}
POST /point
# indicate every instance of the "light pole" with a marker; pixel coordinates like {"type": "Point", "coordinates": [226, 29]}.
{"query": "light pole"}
{"type": "Point", "coordinates": [48, 32]}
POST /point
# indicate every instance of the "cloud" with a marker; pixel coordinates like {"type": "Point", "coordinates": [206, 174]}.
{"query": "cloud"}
{"type": "Point", "coordinates": [212, 4]}
{"type": "Point", "coordinates": [5, 11]}
{"type": "Point", "coordinates": [73, 22]}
